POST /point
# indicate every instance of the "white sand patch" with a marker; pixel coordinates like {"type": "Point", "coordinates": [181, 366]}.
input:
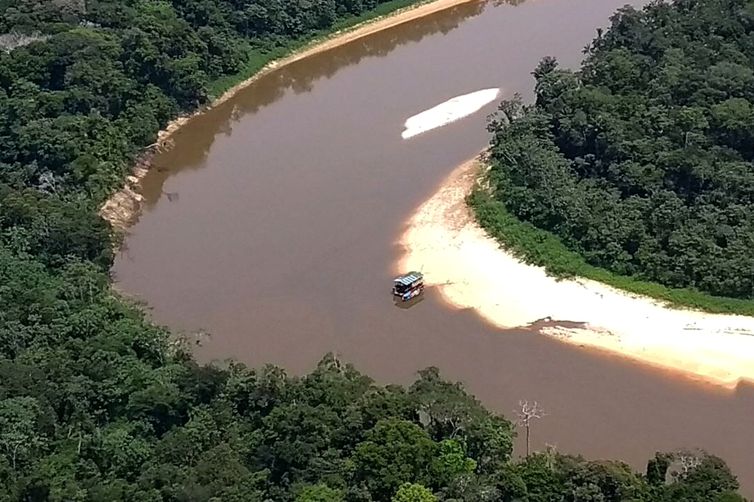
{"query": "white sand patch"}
{"type": "Point", "coordinates": [472, 271]}
{"type": "Point", "coordinates": [447, 112]}
{"type": "Point", "coordinates": [122, 209]}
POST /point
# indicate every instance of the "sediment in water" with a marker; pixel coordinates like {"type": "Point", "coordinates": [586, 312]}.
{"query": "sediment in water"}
{"type": "Point", "coordinates": [472, 270]}
{"type": "Point", "coordinates": [122, 209]}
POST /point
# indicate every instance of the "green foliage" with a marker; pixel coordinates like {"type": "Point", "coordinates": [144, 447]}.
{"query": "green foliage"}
{"type": "Point", "coordinates": [81, 101]}
{"type": "Point", "coordinates": [703, 477]}
{"type": "Point", "coordinates": [19, 429]}
{"type": "Point", "coordinates": [255, 59]}
{"type": "Point", "coordinates": [94, 404]}
{"type": "Point", "coordinates": [394, 452]}
{"type": "Point", "coordinates": [451, 412]}
{"type": "Point", "coordinates": [543, 248]}
{"type": "Point", "coordinates": [641, 163]}
{"type": "Point", "coordinates": [451, 463]}
{"type": "Point", "coordinates": [412, 492]}
{"type": "Point", "coordinates": [97, 404]}
{"type": "Point", "coordinates": [53, 229]}
{"type": "Point", "coordinates": [319, 493]}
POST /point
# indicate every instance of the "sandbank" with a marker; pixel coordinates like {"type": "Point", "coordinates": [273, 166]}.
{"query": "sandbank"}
{"type": "Point", "coordinates": [123, 207]}
{"type": "Point", "coordinates": [448, 111]}
{"type": "Point", "coordinates": [471, 270]}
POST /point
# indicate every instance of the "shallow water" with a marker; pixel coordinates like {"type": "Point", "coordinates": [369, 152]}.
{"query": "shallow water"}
{"type": "Point", "coordinates": [272, 225]}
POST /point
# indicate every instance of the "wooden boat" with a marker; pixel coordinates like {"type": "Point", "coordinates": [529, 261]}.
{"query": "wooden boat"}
{"type": "Point", "coordinates": [408, 286]}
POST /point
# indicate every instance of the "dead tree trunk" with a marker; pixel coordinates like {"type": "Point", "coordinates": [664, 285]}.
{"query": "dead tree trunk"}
{"type": "Point", "coordinates": [526, 414]}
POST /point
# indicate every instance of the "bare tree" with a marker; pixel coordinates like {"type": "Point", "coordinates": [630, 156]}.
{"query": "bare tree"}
{"type": "Point", "coordinates": [688, 461]}
{"type": "Point", "coordinates": [528, 412]}
{"type": "Point", "coordinates": [13, 40]}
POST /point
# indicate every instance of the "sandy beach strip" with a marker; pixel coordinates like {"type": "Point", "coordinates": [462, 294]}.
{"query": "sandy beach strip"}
{"type": "Point", "coordinates": [123, 207]}
{"type": "Point", "coordinates": [471, 270]}
{"type": "Point", "coordinates": [447, 112]}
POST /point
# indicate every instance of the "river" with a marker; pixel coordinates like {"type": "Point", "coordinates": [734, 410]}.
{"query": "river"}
{"type": "Point", "coordinates": [272, 225]}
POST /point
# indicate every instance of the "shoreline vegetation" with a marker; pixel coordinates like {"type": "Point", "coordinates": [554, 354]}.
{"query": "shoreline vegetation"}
{"type": "Point", "coordinates": [471, 269]}
{"type": "Point", "coordinates": [637, 170]}
{"type": "Point", "coordinates": [97, 403]}
{"type": "Point", "coordinates": [541, 248]}
{"type": "Point", "coordinates": [122, 208]}
{"type": "Point", "coordinates": [632, 180]}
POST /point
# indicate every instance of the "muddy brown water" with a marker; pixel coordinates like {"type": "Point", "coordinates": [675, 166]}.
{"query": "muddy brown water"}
{"type": "Point", "coordinates": [272, 225]}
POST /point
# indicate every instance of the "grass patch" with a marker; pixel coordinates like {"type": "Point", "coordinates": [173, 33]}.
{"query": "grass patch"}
{"type": "Point", "coordinates": [259, 59]}
{"type": "Point", "coordinates": [540, 247]}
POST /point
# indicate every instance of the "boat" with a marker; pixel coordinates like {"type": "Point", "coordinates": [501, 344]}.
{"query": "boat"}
{"type": "Point", "coordinates": [408, 286]}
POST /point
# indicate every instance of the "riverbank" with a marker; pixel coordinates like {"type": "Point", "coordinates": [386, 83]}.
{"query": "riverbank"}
{"type": "Point", "coordinates": [123, 207]}
{"type": "Point", "coordinates": [471, 270]}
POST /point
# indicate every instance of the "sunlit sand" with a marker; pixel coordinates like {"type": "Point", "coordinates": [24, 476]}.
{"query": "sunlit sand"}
{"type": "Point", "coordinates": [447, 112]}
{"type": "Point", "coordinates": [472, 271]}
{"type": "Point", "coordinates": [123, 207]}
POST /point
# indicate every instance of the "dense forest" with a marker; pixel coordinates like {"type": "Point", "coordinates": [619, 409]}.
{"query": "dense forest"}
{"type": "Point", "coordinates": [98, 404]}
{"type": "Point", "coordinates": [86, 84]}
{"type": "Point", "coordinates": [642, 162]}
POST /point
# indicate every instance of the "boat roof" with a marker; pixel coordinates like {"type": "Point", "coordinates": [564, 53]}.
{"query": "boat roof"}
{"type": "Point", "coordinates": [409, 278]}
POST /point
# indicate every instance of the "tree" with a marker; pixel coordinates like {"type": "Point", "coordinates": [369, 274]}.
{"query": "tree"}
{"type": "Point", "coordinates": [394, 452]}
{"type": "Point", "coordinates": [526, 415]}
{"type": "Point", "coordinates": [449, 412]}
{"type": "Point", "coordinates": [20, 437]}
{"type": "Point", "coordinates": [657, 469]}
{"type": "Point", "coordinates": [97, 403]}
{"type": "Point", "coordinates": [451, 463]}
{"type": "Point", "coordinates": [412, 492]}
{"type": "Point", "coordinates": [628, 161]}
{"type": "Point", "coordinates": [698, 476]}
{"type": "Point", "coordinates": [319, 493]}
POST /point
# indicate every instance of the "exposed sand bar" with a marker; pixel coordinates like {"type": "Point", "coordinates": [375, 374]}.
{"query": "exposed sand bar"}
{"type": "Point", "coordinates": [449, 111]}
{"type": "Point", "coordinates": [471, 270]}
{"type": "Point", "coordinates": [123, 207]}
